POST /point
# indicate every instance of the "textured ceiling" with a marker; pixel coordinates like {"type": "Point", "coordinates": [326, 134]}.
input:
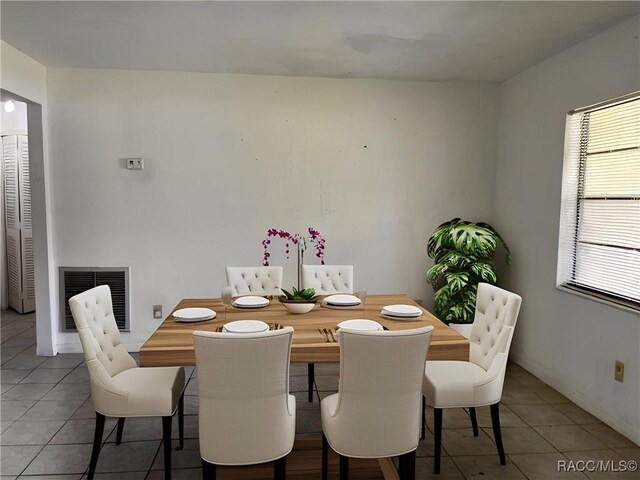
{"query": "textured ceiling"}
{"type": "Point", "coordinates": [435, 41]}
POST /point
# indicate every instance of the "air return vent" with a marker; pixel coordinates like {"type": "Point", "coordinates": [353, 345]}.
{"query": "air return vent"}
{"type": "Point", "coordinates": [75, 280]}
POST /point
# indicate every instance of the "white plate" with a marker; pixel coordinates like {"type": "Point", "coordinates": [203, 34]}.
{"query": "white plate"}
{"type": "Point", "coordinates": [408, 311]}
{"type": "Point", "coordinates": [194, 314]}
{"type": "Point", "coordinates": [250, 302]}
{"type": "Point", "coordinates": [341, 300]}
{"type": "Point", "coordinates": [404, 319]}
{"type": "Point", "coordinates": [360, 324]}
{"type": "Point", "coordinates": [245, 326]}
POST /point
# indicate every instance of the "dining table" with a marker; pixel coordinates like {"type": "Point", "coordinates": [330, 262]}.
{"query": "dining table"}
{"type": "Point", "coordinates": [314, 335]}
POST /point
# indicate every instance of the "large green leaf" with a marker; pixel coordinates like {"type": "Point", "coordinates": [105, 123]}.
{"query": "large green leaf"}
{"type": "Point", "coordinates": [441, 241]}
{"type": "Point", "coordinates": [457, 260]}
{"type": "Point", "coordinates": [474, 240]}
{"type": "Point", "coordinates": [442, 301]}
{"type": "Point", "coordinates": [500, 239]}
{"type": "Point", "coordinates": [436, 272]}
{"type": "Point", "coordinates": [486, 272]}
{"type": "Point", "coordinates": [307, 293]}
{"type": "Point", "coordinates": [289, 295]}
{"type": "Point", "coordinates": [462, 312]}
{"type": "Point", "coordinates": [457, 281]}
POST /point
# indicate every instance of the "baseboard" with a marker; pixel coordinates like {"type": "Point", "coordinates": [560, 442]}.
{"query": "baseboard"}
{"type": "Point", "coordinates": [576, 397]}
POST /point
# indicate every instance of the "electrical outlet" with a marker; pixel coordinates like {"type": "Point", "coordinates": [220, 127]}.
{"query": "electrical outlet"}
{"type": "Point", "coordinates": [619, 372]}
{"type": "Point", "coordinates": [135, 163]}
{"type": "Point", "coordinates": [157, 311]}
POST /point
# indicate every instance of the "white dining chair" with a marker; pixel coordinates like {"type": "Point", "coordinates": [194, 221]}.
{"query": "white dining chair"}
{"type": "Point", "coordinates": [254, 280]}
{"type": "Point", "coordinates": [325, 280]}
{"type": "Point", "coordinates": [478, 382]}
{"type": "Point", "coordinates": [246, 413]}
{"type": "Point", "coordinates": [119, 388]}
{"type": "Point", "coordinates": [328, 279]}
{"type": "Point", "coordinates": [376, 410]}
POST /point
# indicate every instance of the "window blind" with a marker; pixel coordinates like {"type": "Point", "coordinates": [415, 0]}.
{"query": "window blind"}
{"type": "Point", "coordinates": [599, 244]}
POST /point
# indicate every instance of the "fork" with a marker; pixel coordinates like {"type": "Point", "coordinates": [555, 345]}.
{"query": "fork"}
{"type": "Point", "coordinates": [329, 332]}
{"type": "Point", "coordinates": [324, 334]}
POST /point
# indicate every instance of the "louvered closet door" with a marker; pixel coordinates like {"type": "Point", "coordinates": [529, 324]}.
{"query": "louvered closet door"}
{"type": "Point", "coordinates": [12, 221]}
{"type": "Point", "coordinates": [26, 232]}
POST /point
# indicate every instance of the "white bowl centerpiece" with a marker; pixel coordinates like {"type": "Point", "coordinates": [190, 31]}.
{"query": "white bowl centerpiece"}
{"type": "Point", "coordinates": [299, 301]}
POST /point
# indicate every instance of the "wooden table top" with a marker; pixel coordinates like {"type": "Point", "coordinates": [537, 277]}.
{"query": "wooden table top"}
{"type": "Point", "coordinates": [172, 343]}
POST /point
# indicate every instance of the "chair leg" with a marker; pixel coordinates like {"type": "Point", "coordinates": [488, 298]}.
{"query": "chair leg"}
{"type": "Point", "coordinates": [408, 466]}
{"type": "Point", "coordinates": [474, 421]}
{"type": "Point", "coordinates": [437, 436]}
{"type": "Point", "coordinates": [423, 419]}
{"type": "Point", "coordinates": [310, 376]}
{"type": "Point", "coordinates": [181, 422]}
{"type": "Point", "coordinates": [344, 467]}
{"type": "Point", "coordinates": [497, 434]}
{"type": "Point", "coordinates": [97, 442]}
{"type": "Point", "coordinates": [325, 458]}
{"type": "Point", "coordinates": [208, 471]}
{"type": "Point", "coordinates": [166, 439]}
{"type": "Point", "coordinates": [119, 431]}
{"type": "Point", "coordinates": [280, 469]}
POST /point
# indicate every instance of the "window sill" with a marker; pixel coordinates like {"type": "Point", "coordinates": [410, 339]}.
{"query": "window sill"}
{"type": "Point", "coordinates": [598, 298]}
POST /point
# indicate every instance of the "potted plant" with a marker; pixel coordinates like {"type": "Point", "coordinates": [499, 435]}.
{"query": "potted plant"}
{"type": "Point", "coordinates": [299, 301]}
{"type": "Point", "coordinates": [463, 252]}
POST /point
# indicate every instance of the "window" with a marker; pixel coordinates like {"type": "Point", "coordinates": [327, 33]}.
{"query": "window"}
{"type": "Point", "coordinates": [599, 245]}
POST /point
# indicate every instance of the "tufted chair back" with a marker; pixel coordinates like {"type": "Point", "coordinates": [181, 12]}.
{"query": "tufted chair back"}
{"type": "Point", "coordinates": [328, 279]}
{"type": "Point", "coordinates": [106, 357]}
{"type": "Point", "coordinates": [254, 280]}
{"type": "Point", "coordinates": [493, 325]}
{"type": "Point", "coordinates": [246, 413]}
{"type": "Point", "coordinates": [378, 402]}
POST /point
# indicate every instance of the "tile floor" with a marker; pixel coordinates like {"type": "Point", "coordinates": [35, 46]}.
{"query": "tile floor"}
{"type": "Point", "coordinates": [47, 425]}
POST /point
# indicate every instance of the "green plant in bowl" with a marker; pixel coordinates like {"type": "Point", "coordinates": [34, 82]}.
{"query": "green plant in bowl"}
{"type": "Point", "coordinates": [306, 295]}
{"type": "Point", "coordinates": [299, 301]}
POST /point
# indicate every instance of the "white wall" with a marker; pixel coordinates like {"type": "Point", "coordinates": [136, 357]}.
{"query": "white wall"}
{"type": "Point", "coordinates": [23, 76]}
{"type": "Point", "coordinates": [568, 341]}
{"type": "Point", "coordinates": [374, 165]}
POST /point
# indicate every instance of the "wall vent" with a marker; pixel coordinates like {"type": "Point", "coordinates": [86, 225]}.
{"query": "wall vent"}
{"type": "Point", "coordinates": [75, 280]}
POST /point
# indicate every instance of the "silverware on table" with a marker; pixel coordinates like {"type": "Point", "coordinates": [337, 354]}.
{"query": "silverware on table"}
{"type": "Point", "coordinates": [324, 334]}
{"type": "Point", "coordinates": [330, 332]}
{"type": "Point", "coordinates": [329, 335]}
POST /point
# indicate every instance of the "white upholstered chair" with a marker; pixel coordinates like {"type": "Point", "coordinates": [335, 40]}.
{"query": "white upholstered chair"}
{"type": "Point", "coordinates": [376, 410]}
{"type": "Point", "coordinates": [325, 280]}
{"type": "Point", "coordinates": [478, 382]}
{"type": "Point", "coordinates": [119, 388]}
{"type": "Point", "coordinates": [328, 279]}
{"type": "Point", "coordinates": [246, 413]}
{"type": "Point", "coordinates": [254, 280]}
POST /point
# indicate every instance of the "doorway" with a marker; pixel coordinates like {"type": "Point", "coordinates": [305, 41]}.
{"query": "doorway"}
{"type": "Point", "coordinates": [18, 273]}
{"type": "Point", "coordinates": [43, 281]}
